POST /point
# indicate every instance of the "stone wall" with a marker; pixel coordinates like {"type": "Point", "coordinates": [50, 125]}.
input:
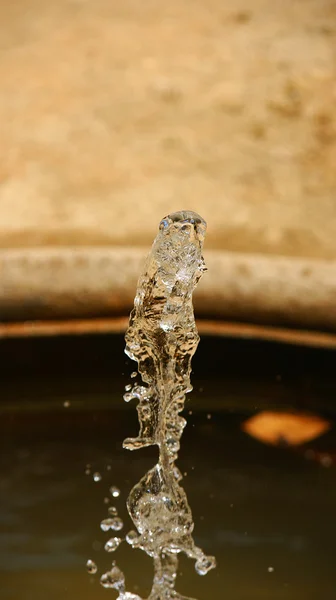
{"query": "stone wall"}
{"type": "Point", "coordinates": [114, 114]}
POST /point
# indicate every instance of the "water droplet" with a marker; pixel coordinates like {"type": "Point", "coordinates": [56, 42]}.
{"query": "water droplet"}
{"type": "Point", "coordinates": [91, 567]}
{"type": "Point", "coordinates": [112, 511]}
{"type": "Point", "coordinates": [164, 224]}
{"type": "Point", "coordinates": [177, 474]}
{"type": "Point", "coordinates": [190, 412]}
{"type": "Point", "coordinates": [66, 404]}
{"type": "Point", "coordinates": [140, 392]}
{"type": "Point", "coordinates": [128, 387]}
{"type": "Point", "coordinates": [132, 538]}
{"type": "Point", "coordinates": [106, 500]}
{"type": "Point", "coordinates": [105, 525]}
{"type": "Point", "coordinates": [134, 374]}
{"type": "Point", "coordinates": [112, 544]}
{"type": "Point", "coordinates": [97, 476]}
{"type": "Point", "coordinates": [113, 579]}
{"type": "Point", "coordinates": [270, 569]}
{"type": "Point", "coordinates": [204, 564]}
{"type": "Point", "coordinates": [87, 471]}
{"type": "Point", "coordinates": [108, 467]}
{"type": "Point", "coordinates": [209, 416]}
{"type": "Point", "coordinates": [128, 396]}
{"type": "Point", "coordinates": [114, 523]}
{"type": "Point", "coordinates": [114, 491]}
{"type": "Point", "coordinates": [117, 524]}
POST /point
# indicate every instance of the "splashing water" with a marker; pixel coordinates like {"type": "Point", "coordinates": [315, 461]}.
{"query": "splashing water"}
{"type": "Point", "coordinates": [162, 338]}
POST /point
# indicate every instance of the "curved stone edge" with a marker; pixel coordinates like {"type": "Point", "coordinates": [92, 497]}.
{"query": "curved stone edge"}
{"type": "Point", "coordinates": [83, 282]}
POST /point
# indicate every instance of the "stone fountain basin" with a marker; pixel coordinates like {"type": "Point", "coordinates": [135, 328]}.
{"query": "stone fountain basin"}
{"type": "Point", "coordinates": [265, 511]}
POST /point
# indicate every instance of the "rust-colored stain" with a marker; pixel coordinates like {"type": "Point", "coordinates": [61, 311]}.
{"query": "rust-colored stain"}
{"type": "Point", "coordinates": [291, 429]}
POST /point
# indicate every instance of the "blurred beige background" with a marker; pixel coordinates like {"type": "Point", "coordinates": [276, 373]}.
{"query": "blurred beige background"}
{"type": "Point", "coordinates": [114, 114]}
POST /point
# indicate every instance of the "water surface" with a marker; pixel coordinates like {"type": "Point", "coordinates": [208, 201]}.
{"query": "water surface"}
{"type": "Point", "coordinates": [268, 514]}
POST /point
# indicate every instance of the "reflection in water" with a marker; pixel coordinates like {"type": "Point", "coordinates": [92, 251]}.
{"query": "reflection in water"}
{"type": "Point", "coordinates": [290, 429]}
{"type": "Point", "coordinates": [162, 337]}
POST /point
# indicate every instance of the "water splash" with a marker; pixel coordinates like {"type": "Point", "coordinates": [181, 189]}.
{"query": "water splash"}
{"type": "Point", "coordinates": [162, 338]}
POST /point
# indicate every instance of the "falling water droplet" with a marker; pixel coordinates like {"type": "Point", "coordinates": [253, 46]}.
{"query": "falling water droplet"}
{"type": "Point", "coordinates": [112, 544]}
{"type": "Point", "coordinates": [112, 511]}
{"type": "Point", "coordinates": [113, 579]}
{"type": "Point", "coordinates": [105, 525]}
{"type": "Point", "coordinates": [97, 476]}
{"type": "Point", "coordinates": [114, 491]}
{"type": "Point", "coordinates": [134, 374]}
{"type": "Point", "coordinates": [114, 523]}
{"type": "Point", "coordinates": [66, 404]}
{"type": "Point", "coordinates": [128, 387]}
{"type": "Point", "coordinates": [132, 538]}
{"type": "Point", "coordinates": [117, 523]}
{"type": "Point", "coordinates": [106, 500]}
{"type": "Point", "coordinates": [91, 567]}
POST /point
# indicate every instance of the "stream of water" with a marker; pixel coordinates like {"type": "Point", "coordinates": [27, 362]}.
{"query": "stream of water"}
{"type": "Point", "coordinates": [162, 338]}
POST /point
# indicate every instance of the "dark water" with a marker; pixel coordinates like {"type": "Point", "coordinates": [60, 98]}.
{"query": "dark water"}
{"type": "Point", "coordinates": [254, 507]}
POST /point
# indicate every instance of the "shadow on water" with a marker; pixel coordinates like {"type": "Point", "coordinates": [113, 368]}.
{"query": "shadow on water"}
{"type": "Point", "coordinates": [267, 513]}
